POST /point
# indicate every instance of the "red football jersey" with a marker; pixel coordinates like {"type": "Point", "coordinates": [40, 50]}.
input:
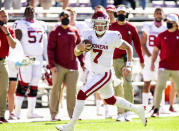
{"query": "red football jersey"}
{"type": "Point", "coordinates": [168, 43]}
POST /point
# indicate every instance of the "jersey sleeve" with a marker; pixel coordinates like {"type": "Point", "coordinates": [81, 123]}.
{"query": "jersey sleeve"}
{"type": "Point", "coordinates": [145, 28]}
{"type": "Point", "coordinates": [18, 25]}
{"type": "Point", "coordinates": [117, 39]}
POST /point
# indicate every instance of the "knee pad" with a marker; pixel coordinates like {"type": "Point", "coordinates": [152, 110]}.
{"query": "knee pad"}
{"type": "Point", "coordinates": [33, 91]}
{"type": "Point", "coordinates": [111, 100]}
{"type": "Point", "coordinates": [81, 95]}
{"type": "Point", "coordinates": [21, 89]}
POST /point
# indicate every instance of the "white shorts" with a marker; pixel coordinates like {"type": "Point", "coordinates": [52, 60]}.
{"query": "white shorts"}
{"type": "Point", "coordinates": [31, 74]}
{"type": "Point", "coordinates": [12, 70]}
{"type": "Point", "coordinates": [101, 83]}
{"type": "Point", "coordinates": [148, 75]}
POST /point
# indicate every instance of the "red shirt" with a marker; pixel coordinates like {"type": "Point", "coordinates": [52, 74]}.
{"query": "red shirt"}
{"type": "Point", "coordinates": [168, 43]}
{"type": "Point", "coordinates": [4, 46]}
{"type": "Point", "coordinates": [130, 34]}
{"type": "Point", "coordinates": [61, 44]}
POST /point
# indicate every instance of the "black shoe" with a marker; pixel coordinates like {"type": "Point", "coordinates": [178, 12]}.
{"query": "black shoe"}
{"type": "Point", "coordinates": [3, 120]}
{"type": "Point", "coordinates": [155, 113]}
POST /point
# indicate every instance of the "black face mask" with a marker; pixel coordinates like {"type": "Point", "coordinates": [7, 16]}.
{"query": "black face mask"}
{"type": "Point", "coordinates": [65, 21]}
{"type": "Point", "coordinates": [121, 17]}
{"type": "Point", "coordinates": [169, 25]}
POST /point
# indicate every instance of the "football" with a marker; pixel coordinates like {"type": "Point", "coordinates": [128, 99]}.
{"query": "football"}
{"type": "Point", "coordinates": [88, 44]}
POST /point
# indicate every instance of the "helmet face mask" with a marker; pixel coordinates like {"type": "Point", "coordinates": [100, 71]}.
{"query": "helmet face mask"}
{"type": "Point", "coordinates": [100, 22]}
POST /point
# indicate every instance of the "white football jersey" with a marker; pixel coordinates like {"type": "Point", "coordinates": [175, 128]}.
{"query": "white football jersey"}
{"type": "Point", "coordinates": [101, 55]}
{"type": "Point", "coordinates": [32, 36]}
{"type": "Point", "coordinates": [152, 32]}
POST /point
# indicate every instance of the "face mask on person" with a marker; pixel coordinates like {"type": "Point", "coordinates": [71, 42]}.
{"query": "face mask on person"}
{"type": "Point", "coordinates": [169, 25]}
{"type": "Point", "coordinates": [65, 21]}
{"type": "Point", "coordinates": [121, 17]}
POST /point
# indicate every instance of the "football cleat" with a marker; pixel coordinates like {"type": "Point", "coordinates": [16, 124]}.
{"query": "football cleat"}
{"type": "Point", "coordinates": [172, 109]}
{"type": "Point", "coordinates": [12, 116]}
{"type": "Point", "coordinates": [127, 116]}
{"type": "Point", "coordinates": [120, 118]}
{"type": "Point", "coordinates": [66, 127]}
{"type": "Point", "coordinates": [139, 110]}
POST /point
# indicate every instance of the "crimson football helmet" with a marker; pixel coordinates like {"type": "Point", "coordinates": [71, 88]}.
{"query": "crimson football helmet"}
{"type": "Point", "coordinates": [100, 22]}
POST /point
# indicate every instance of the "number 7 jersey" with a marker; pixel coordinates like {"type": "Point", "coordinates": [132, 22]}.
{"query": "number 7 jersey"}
{"type": "Point", "coordinates": [100, 57]}
{"type": "Point", "coordinates": [32, 36]}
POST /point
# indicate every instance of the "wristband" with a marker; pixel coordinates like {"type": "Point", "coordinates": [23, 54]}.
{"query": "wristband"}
{"type": "Point", "coordinates": [129, 63]}
{"type": "Point", "coordinates": [77, 50]}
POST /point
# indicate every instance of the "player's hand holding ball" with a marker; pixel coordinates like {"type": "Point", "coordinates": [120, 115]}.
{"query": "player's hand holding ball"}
{"type": "Point", "coordinates": [87, 45]}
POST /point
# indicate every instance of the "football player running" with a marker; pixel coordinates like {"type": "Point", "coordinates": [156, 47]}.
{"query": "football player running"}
{"type": "Point", "coordinates": [101, 56]}
{"type": "Point", "coordinates": [32, 36]}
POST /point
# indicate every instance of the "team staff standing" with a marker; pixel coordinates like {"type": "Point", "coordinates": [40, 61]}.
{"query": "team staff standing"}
{"type": "Point", "coordinates": [7, 36]}
{"type": "Point", "coordinates": [63, 63]}
{"type": "Point", "coordinates": [129, 33]}
{"type": "Point", "coordinates": [168, 44]}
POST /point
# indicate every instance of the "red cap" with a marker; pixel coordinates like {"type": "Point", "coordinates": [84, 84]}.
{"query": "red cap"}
{"type": "Point", "coordinates": [111, 8]}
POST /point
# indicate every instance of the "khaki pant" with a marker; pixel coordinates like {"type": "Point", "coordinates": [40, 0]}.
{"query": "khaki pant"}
{"type": "Point", "coordinates": [125, 89]}
{"type": "Point", "coordinates": [3, 87]}
{"type": "Point", "coordinates": [163, 76]}
{"type": "Point", "coordinates": [69, 78]}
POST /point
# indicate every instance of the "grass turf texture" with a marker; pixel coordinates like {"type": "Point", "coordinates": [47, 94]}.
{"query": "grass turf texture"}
{"type": "Point", "coordinates": [154, 124]}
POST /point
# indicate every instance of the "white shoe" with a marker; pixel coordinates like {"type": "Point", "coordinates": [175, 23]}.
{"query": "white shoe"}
{"type": "Point", "coordinates": [33, 115]}
{"type": "Point", "coordinates": [120, 118]}
{"type": "Point", "coordinates": [66, 127]}
{"type": "Point", "coordinates": [139, 110]}
{"type": "Point", "coordinates": [127, 116]}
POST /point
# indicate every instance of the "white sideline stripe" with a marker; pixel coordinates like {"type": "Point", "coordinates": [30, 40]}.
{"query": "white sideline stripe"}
{"type": "Point", "coordinates": [97, 86]}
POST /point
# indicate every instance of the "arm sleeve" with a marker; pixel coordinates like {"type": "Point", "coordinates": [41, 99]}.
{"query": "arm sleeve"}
{"type": "Point", "coordinates": [52, 41]}
{"type": "Point", "coordinates": [137, 45]}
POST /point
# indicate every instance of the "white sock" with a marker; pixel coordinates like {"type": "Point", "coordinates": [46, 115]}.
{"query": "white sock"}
{"type": "Point", "coordinates": [98, 105]}
{"type": "Point", "coordinates": [18, 105]}
{"type": "Point", "coordinates": [145, 98]}
{"type": "Point", "coordinates": [77, 111]}
{"type": "Point", "coordinates": [106, 107]}
{"type": "Point", "coordinates": [31, 105]}
{"type": "Point", "coordinates": [121, 102]}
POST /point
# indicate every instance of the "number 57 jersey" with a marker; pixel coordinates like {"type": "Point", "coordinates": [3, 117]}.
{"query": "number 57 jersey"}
{"type": "Point", "coordinates": [32, 36]}
{"type": "Point", "coordinates": [100, 57]}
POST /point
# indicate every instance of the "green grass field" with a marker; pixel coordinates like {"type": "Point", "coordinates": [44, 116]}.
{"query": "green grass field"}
{"type": "Point", "coordinates": [154, 124]}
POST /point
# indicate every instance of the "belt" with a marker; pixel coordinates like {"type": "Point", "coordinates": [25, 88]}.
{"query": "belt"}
{"type": "Point", "coordinates": [1, 58]}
